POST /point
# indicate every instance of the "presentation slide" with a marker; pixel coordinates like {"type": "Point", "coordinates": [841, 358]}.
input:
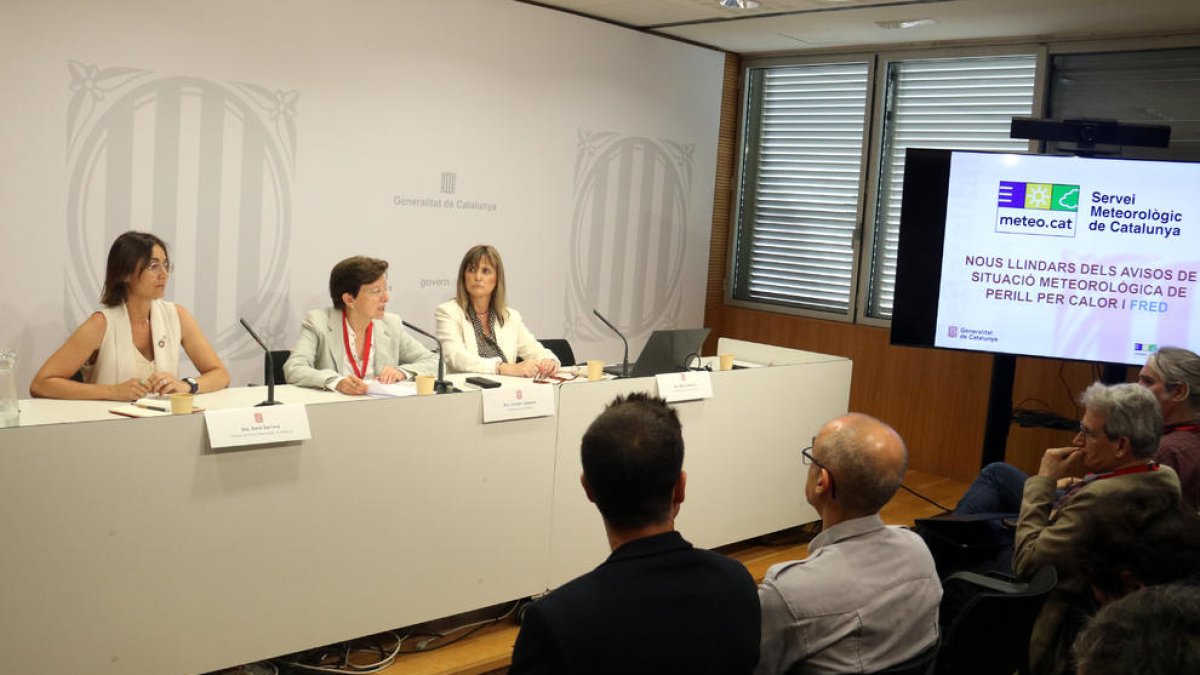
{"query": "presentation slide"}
{"type": "Point", "coordinates": [1090, 259]}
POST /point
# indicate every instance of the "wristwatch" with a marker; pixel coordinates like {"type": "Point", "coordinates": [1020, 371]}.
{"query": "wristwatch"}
{"type": "Point", "coordinates": [193, 385]}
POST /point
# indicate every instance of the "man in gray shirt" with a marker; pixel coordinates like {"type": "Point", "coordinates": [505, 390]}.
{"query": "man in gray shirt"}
{"type": "Point", "coordinates": [866, 597]}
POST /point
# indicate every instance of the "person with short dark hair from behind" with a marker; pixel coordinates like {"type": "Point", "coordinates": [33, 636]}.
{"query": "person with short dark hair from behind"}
{"type": "Point", "coordinates": [656, 605]}
{"type": "Point", "coordinates": [1173, 376]}
{"type": "Point", "coordinates": [1142, 539]}
{"type": "Point", "coordinates": [130, 348]}
{"type": "Point", "coordinates": [355, 340]}
{"type": "Point", "coordinates": [866, 597]}
{"type": "Point", "coordinates": [1154, 631]}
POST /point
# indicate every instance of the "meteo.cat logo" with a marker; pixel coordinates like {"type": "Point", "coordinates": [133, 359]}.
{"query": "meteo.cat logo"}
{"type": "Point", "coordinates": [1043, 209]}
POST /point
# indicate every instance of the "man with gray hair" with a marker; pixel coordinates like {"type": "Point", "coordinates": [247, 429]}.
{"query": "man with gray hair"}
{"type": "Point", "coordinates": [866, 597]}
{"type": "Point", "coordinates": [1173, 376]}
{"type": "Point", "coordinates": [1110, 457]}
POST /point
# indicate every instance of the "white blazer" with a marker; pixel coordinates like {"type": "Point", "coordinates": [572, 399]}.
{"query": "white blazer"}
{"type": "Point", "coordinates": [457, 334]}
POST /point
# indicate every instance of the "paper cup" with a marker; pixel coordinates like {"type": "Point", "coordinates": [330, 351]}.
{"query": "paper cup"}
{"type": "Point", "coordinates": [595, 370]}
{"type": "Point", "coordinates": [181, 404]}
{"type": "Point", "coordinates": [424, 385]}
{"type": "Point", "coordinates": [726, 361]}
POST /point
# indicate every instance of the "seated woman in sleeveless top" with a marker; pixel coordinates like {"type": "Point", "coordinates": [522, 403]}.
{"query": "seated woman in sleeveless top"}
{"type": "Point", "coordinates": [480, 332]}
{"type": "Point", "coordinates": [130, 348]}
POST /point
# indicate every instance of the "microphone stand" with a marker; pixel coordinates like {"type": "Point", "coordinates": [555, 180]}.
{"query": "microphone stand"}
{"type": "Point", "coordinates": [625, 359]}
{"type": "Point", "coordinates": [440, 385]}
{"type": "Point", "coordinates": [270, 366]}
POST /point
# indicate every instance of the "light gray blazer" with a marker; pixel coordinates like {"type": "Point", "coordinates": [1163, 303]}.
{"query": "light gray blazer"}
{"type": "Point", "coordinates": [320, 350]}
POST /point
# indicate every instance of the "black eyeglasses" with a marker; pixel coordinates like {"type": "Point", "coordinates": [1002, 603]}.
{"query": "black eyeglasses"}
{"type": "Point", "coordinates": [807, 457]}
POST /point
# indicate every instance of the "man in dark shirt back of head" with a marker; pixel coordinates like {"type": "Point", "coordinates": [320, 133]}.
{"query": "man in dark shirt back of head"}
{"type": "Point", "coordinates": [656, 605]}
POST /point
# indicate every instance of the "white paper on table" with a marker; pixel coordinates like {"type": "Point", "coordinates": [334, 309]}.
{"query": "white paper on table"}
{"type": "Point", "coordinates": [260, 425]}
{"type": "Point", "coordinates": [520, 402]}
{"type": "Point", "coordinates": [404, 387]}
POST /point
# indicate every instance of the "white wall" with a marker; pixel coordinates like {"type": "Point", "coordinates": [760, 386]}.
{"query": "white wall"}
{"type": "Point", "coordinates": [267, 140]}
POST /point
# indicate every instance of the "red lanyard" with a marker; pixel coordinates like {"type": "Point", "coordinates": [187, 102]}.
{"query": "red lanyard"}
{"type": "Point", "coordinates": [366, 356]}
{"type": "Point", "coordinates": [1193, 427]}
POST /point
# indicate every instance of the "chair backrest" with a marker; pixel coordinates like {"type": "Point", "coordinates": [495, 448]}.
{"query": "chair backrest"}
{"type": "Point", "coordinates": [562, 350]}
{"type": "Point", "coordinates": [990, 634]}
{"type": "Point", "coordinates": [278, 356]}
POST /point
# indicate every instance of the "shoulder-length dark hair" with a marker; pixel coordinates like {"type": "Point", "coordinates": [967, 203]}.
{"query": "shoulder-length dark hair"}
{"type": "Point", "coordinates": [351, 274]}
{"type": "Point", "coordinates": [474, 256]}
{"type": "Point", "coordinates": [127, 256]}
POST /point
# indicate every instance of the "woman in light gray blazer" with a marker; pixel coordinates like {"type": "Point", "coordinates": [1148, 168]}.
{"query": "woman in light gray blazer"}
{"type": "Point", "coordinates": [356, 340]}
{"type": "Point", "coordinates": [480, 333]}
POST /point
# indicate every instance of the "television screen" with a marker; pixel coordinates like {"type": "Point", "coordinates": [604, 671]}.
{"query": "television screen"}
{"type": "Point", "coordinates": [1040, 255]}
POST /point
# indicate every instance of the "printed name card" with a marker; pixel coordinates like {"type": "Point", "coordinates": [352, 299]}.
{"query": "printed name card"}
{"type": "Point", "coordinates": [690, 385]}
{"type": "Point", "coordinates": [514, 403]}
{"type": "Point", "coordinates": [237, 427]}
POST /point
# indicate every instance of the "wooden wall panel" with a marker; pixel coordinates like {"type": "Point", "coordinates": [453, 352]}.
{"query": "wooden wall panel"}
{"type": "Point", "coordinates": [936, 399]}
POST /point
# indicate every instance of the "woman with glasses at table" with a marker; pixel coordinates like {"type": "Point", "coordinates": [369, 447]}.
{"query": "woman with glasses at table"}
{"type": "Point", "coordinates": [480, 332]}
{"type": "Point", "coordinates": [343, 346]}
{"type": "Point", "coordinates": [130, 348]}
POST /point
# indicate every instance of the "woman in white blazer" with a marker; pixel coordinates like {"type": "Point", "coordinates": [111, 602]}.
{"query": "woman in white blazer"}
{"type": "Point", "coordinates": [130, 348]}
{"type": "Point", "coordinates": [341, 347]}
{"type": "Point", "coordinates": [480, 333]}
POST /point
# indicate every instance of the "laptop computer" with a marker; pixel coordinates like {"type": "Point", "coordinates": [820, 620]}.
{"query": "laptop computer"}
{"type": "Point", "coordinates": [665, 352]}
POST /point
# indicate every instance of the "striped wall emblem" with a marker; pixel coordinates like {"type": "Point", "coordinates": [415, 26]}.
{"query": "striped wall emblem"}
{"type": "Point", "coordinates": [206, 166]}
{"type": "Point", "coordinates": [628, 233]}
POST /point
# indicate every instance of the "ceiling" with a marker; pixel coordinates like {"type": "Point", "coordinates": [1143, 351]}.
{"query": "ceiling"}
{"type": "Point", "coordinates": [825, 25]}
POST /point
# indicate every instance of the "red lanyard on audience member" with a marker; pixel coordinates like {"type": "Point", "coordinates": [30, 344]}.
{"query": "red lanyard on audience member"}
{"type": "Point", "coordinates": [1193, 427]}
{"type": "Point", "coordinates": [366, 356]}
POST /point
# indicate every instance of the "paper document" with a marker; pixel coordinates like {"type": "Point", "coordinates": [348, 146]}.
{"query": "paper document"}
{"type": "Point", "coordinates": [401, 388]}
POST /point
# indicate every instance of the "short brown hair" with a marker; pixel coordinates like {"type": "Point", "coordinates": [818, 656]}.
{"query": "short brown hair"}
{"type": "Point", "coordinates": [351, 274]}
{"type": "Point", "coordinates": [473, 257]}
{"type": "Point", "coordinates": [127, 255]}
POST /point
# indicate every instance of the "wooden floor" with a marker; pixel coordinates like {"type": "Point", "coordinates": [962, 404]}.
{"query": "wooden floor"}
{"type": "Point", "coordinates": [490, 649]}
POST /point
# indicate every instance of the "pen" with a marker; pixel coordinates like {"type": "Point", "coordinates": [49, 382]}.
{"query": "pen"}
{"type": "Point", "coordinates": [147, 406]}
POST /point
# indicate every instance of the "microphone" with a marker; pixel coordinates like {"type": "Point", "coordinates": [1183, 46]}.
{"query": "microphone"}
{"type": "Point", "coordinates": [270, 366]}
{"type": "Point", "coordinates": [625, 360]}
{"type": "Point", "coordinates": [441, 386]}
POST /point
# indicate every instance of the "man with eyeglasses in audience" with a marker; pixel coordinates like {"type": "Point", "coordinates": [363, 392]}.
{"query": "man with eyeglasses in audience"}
{"type": "Point", "coordinates": [866, 597]}
{"type": "Point", "coordinates": [1110, 458]}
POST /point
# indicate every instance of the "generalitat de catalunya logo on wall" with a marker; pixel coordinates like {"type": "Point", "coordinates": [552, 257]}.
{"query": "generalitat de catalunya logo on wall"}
{"type": "Point", "coordinates": [205, 166]}
{"type": "Point", "coordinates": [1046, 209]}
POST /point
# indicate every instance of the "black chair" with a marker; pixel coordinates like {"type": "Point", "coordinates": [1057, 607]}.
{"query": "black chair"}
{"type": "Point", "coordinates": [921, 664]}
{"type": "Point", "coordinates": [278, 356]}
{"type": "Point", "coordinates": [562, 350]}
{"type": "Point", "coordinates": [989, 633]}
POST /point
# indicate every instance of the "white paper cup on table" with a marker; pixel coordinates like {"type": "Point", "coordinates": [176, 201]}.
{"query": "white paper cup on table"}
{"type": "Point", "coordinates": [726, 361]}
{"type": "Point", "coordinates": [424, 385]}
{"type": "Point", "coordinates": [595, 370]}
{"type": "Point", "coordinates": [181, 404]}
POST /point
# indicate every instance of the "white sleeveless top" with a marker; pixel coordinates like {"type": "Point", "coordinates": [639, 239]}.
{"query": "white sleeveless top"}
{"type": "Point", "coordinates": [119, 360]}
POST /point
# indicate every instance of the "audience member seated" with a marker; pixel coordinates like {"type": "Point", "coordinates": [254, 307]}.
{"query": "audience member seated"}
{"type": "Point", "coordinates": [130, 348]}
{"type": "Point", "coordinates": [1155, 631]}
{"type": "Point", "coordinates": [1143, 539]}
{"type": "Point", "coordinates": [1173, 376]}
{"type": "Point", "coordinates": [356, 340]}
{"type": "Point", "coordinates": [867, 595]}
{"type": "Point", "coordinates": [1111, 456]}
{"type": "Point", "coordinates": [657, 605]}
{"type": "Point", "coordinates": [480, 332]}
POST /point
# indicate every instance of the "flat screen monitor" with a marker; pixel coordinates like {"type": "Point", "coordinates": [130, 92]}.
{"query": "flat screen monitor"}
{"type": "Point", "coordinates": [1054, 256]}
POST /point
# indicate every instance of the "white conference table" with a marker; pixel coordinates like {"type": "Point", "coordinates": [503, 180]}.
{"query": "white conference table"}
{"type": "Point", "coordinates": [131, 546]}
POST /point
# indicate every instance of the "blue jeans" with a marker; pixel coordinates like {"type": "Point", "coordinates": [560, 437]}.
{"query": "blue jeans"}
{"type": "Point", "coordinates": [997, 489]}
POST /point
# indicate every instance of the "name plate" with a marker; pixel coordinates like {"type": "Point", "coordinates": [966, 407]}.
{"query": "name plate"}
{"type": "Point", "coordinates": [237, 427]}
{"type": "Point", "coordinates": [690, 385]}
{"type": "Point", "coordinates": [514, 403]}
